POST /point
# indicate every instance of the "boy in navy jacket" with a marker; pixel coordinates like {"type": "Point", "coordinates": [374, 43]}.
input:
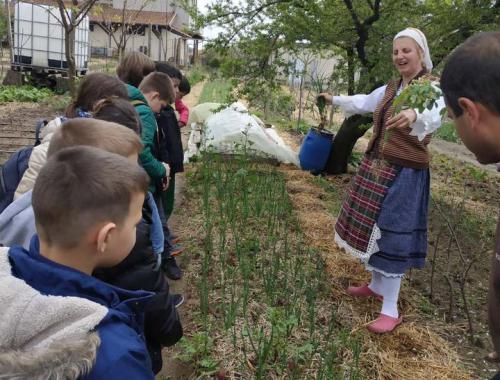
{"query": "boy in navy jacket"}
{"type": "Point", "coordinates": [87, 203]}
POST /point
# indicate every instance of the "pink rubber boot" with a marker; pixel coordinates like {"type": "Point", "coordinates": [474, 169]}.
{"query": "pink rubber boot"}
{"type": "Point", "coordinates": [363, 291]}
{"type": "Point", "coordinates": [384, 324]}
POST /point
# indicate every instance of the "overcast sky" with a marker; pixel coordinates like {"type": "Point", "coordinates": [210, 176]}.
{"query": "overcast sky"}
{"type": "Point", "coordinates": [209, 32]}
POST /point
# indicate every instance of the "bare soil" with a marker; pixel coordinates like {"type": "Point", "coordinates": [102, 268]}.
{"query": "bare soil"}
{"type": "Point", "coordinates": [17, 125]}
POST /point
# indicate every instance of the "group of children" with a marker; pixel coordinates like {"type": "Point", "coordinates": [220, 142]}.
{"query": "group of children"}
{"type": "Point", "coordinates": [86, 241]}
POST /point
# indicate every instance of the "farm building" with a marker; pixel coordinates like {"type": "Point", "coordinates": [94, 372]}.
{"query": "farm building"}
{"type": "Point", "coordinates": [158, 28]}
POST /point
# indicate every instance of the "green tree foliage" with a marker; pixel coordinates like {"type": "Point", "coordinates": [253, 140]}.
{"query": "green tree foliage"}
{"type": "Point", "coordinates": [3, 21]}
{"type": "Point", "coordinates": [259, 33]}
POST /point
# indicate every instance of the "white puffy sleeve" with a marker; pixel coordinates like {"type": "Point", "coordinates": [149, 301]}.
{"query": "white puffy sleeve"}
{"type": "Point", "coordinates": [428, 121]}
{"type": "Point", "coordinates": [361, 103]}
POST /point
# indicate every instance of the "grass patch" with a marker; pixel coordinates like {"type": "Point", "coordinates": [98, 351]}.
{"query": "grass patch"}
{"type": "Point", "coordinates": [216, 91]}
{"type": "Point", "coordinates": [195, 74]}
{"type": "Point", "coordinates": [24, 94]}
{"type": "Point", "coordinates": [447, 132]}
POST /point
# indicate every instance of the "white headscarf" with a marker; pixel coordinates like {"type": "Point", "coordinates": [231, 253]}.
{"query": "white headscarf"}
{"type": "Point", "coordinates": [420, 39]}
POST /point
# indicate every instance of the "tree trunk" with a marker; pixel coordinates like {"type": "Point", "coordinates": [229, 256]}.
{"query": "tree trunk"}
{"type": "Point", "coordinates": [9, 29]}
{"type": "Point", "coordinates": [350, 71]}
{"type": "Point", "coordinates": [69, 45]}
{"type": "Point", "coordinates": [121, 52]}
{"type": "Point", "coordinates": [351, 130]}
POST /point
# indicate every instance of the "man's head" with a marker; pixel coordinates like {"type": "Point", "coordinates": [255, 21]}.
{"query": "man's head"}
{"type": "Point", "coordinates": [112, 137]}
{"type": "Point", "coordinates": [471, 85]}
{"type": "Point", "coordinates": [133, 67]}
{"type": "Point", "coordinates": [173, 72]}
{"type": "Point", "coordinates": [158, 90]}
{"type": "Point", "coordinates": [88, 201]}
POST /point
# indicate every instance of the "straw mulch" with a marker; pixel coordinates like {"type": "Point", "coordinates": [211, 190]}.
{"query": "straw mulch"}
{"type": "Point", "coordinates": [413, 350]}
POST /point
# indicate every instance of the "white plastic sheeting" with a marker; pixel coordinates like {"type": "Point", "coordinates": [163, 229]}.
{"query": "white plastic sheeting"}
{"type": "Point", "coordinates": [233, 128]}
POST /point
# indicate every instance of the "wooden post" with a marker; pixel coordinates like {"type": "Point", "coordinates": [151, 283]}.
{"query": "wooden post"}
{"type": "Point", "coordinates": [9, 29]}
{"type": "Point", "coordinates": [150, 30]}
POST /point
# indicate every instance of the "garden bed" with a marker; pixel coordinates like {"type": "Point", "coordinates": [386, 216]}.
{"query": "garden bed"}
{"type": "Point", "coordinates": [266, 294]}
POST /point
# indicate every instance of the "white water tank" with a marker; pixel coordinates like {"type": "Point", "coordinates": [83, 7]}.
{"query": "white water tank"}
{"type": "Point", "coordinates": [38, 39]}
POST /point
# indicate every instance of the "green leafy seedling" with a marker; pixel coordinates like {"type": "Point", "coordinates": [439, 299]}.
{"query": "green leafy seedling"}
{"type": "Point", "coordinates": [321, 104]}
{"type": "Point", "coordinates": [420, 94]}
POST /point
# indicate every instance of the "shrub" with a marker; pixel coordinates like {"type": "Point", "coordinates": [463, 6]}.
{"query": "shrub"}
{"type": "Point", "coordinates": [23, 94]}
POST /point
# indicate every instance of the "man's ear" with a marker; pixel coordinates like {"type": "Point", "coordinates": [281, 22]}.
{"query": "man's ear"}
{"type": "Point", "coordinates": [103, 236]}
{"type": "Point", "coordinates": [470, 110]}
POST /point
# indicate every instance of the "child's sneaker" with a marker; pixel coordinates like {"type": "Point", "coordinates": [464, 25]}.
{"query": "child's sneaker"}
{"type": "Point", "coordinates": [363, 291]}
{"type": "Point", "coordinates": [384, 324]}
{"type": "Point", "coordinates": [177, 299]}
{"type": "Point", "coordinates": [175, 240]}
{"type": "Point", "coordinates": [176, 250]}
{"type": "Point", "coordinates": [171, 268]}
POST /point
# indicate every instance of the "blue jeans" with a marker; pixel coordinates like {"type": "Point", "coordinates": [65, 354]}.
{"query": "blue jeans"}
{"type": "Point", "coordinates": [166, 231]}
{"type": "Point", "coordinates": [156, 234]}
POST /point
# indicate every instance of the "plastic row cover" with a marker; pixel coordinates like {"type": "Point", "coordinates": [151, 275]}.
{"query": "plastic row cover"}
{"type": "Point", "coordinates": [234, 128]}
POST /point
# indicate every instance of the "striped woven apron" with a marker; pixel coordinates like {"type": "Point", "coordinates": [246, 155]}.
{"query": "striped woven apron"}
{"type": "Point", "coordinates": [362, 205]}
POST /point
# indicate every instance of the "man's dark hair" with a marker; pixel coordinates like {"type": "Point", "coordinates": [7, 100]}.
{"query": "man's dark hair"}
{"type": "Point", "coordinates": [184, 86]}
{"type": "Point", "coordinates": [171, 71]}
{"type": "Point", "coordinates": [473, 71]}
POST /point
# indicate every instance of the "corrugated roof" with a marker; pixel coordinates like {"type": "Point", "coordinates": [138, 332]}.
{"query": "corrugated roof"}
{"type": "Point", "coordinates": [134, 17]}
{"type": "Point", "coordinates": [107, 13]}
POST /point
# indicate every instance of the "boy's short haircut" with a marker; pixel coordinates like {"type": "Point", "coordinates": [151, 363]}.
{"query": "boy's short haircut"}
{"type": "Point", "coordinates": [184, 86]}
{"type": "Point", "coordinates": [133, 67]}
{"type": "Point", "coordinates": [111, 137]}
{"type": "Point", "coordinates": [473, 71]}
{"type": "Point", "coordinates": [81, 187]}
{"type": "Point", "coordinates": [161, 83]}
{"type": "Point", "coordinates": [118, 111]}
{"type": "Point", "coordinates": [171, 71]}
{"type": "Point", "coordinates": [93, 87]}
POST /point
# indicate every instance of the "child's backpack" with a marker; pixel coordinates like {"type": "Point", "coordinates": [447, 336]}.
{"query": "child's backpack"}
{"type": "Point", "coordinates": [11, 172]}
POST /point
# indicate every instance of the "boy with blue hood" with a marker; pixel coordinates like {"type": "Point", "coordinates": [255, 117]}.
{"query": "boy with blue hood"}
{"type": "Point", "coordinates": [58, 320]}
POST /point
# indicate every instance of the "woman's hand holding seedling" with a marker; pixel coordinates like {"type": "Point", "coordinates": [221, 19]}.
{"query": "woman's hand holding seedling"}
{"type": "Point", "coordinates": [321, 104]}
{"type": "Point", "coordinates": [326, 96]}
{"type": "Point", "coordinates": [402, 120]}
{"type": "Point", "coordinates": [420, 95]}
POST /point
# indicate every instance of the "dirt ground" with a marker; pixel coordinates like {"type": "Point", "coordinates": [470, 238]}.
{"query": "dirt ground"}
{"type": "Point", "coordinates": [17, 125]}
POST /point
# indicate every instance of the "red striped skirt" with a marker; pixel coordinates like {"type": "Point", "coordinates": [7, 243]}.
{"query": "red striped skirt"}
{"type": "Point", "coordinates": [362, 205]}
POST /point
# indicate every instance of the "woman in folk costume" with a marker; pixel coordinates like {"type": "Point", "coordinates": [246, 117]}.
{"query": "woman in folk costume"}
{"type": "Point", "coordinates": [383, 220]}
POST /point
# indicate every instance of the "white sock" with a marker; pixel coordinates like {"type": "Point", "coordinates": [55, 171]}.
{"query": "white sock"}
{"type": "Point", "coordinates": [389, 289]}
{"type": "Point", "coordinates": [375, 282]}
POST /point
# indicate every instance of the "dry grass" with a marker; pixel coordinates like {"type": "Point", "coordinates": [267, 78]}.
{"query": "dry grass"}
{"type": "Point", "coordinates": [413, 350]}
